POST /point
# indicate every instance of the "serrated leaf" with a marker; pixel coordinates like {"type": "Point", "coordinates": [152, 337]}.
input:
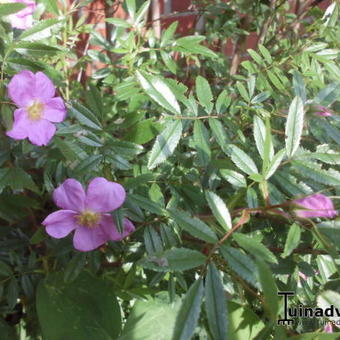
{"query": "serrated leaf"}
{"type": "Point", "coordinates": [241, 264]}
{"type": "Point", "coordinates": [274, 164]}
{"type": "Point", "coordinates": [223, 101]}
{"type": "Point", "coordinates": [242, 91]}
{"type": "Point", "coordinates": [153, 243]}
{"type": "Point", "coordinates": [118, 22]}
{"type": "Point", "coordinates": [242, 160]}
{"type": "Point", "coordinates": [219, 209]}
{"type": "Point", "coordinates": [260, 137]}
{"type": "Point", "coordinates": [40, 31]}
{"type": "Point", "coordinates": [146, 204]}
{"type": "Point", "coordinates": [299, 86]}
{"type": "Point", "coordinates": [165, 143]}
{"type": "Point", "coordinates": [84, 116]}
{"type": "Point", "coordinates": [189, 312]}
{"type": "Point", "coordinates": [255, 56]}
{"type": "Point", "coordinates": [219, 133]}
{"type": "Point", "coordinates": [234, 178]}
{"type": "Point", "coordinates": [294, 126]}
{"type": "Point", "coordinates": [204, 93]}
{"type": "Point", "coordinates": [201, 139]}
{"type": "Point", "coordinates": [179, 259]}
{"type": "Point", "coordinates": [193, 226]}
{"type": "Point", "coordinates": [293, 239]}
{"type": "Point", "coordinates": [265, 53]}
{"type": "Point", "coordinates": [328, 95]}
{"type": "Point", "coordinates": [159, 91]}
{"type": "Point", "coordinates": [131, 7]}
{"type": "Point", "coordinates": [269, 288]}
{"type": "Point", "coordinates": [216, 304]}
{"type": "Point", "coordinates": [254, 247]}
{"type": "Point", "coordinates": [313, 171]}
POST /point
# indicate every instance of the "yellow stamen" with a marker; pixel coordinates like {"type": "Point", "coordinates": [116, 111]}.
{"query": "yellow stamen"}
{"type": "Point", "coordinates": [35, 110]}
{"type": "Point", "coordinates": [88, 219]}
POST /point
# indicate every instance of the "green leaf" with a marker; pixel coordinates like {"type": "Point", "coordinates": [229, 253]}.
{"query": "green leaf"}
{"type": "Point", "coordinates": [10, 8]}
{"type": "Point", "coordinates": [169, 62]}
{"type": "Point", "coordinates": [118, 22]}
{"type": "Point", "coordinates": [243, 92]}
{"type": "Point", "coordinates": [293, 239]}
{"type": "Point", "coordinates": [299, 86]}
{"type": "Point", "coordinates": [74, 267]}
{"type": "Point", "coordinates": [265, 53]}
{"type": "Point", "coordinates": [328, 95]}
{"type": "Point", "coordinates": [216, 304]}
{"type": "Point", "coordinates": [243, 322]}
{"type": "Point", "coordinates": [219, 209]}
{"type": "Point", "coordinates": [254, 247]}
{"type": "Point", "coordinates": [275, 80]}
{"type": "Point", "coordinates": [219, 133]}
{"type": "Point", "coordinates": [87, 303]}
{"type": "Point", "coordinates": [242, 160]}
{"type": "Point", "coordinates": [314, 171]}
{"type": "Point", "coordinates": [143, 131]}
{"type": "Point", "coordinates": [165, 143]}
{"type": "Point", "coordinates": [146, 317]}
{"type": "Point", "coordinates": [234, 178]}
{"type": "Point", "coordinates": [40, 31]}
{"type": "Point", "coordinates": [7, 332]}
{"type": "Point", "coordinates": [52, 6]}
{"type": "Point", "coordinates": [241, 264]}
{"type": "Point", "coordinates": [204, 93]}
{"type": "Point", "coordinates": [179, 259]}
{"type": "Point", "coordinates": [191, 44]}
{"type": "Point", "coordinates": [189, 312]}
{"type": "Point", "coordinates": [168, 34]}
{"type": "Point", "coordinates": [294, 126]}
{"type": "Point", "coordinates": [146, 204]}
{"type": "Point", "coordinates": [16, 179]}
{"type": "Point", "coordinates": [152, 241]}
{"type": "Point", "coordinates": [159, 91]}
{"type": "Point", "coordinates": [329, 298]}
{"type": "Point", "coordinates": [260, 137]}
{"type": "Point", "coordinates": [315, 336]}
{"type": "Point", "coordinates": [5, 270]}
{"type": "Point", "coordinates": [36, 49]}
{"type": "Point", "coordinates": [140, 15]}
{"type": "Point", "coordinates": [274, 164]}
{"type": "Point", "coordinates": [257, 58]}
{"type": "Point", "coordinates": [201, 139]}
{"type": "Point", "coordinates": [131, 7]}
{"type": "Point", "coordinates": [84, 116]}
{"type": "Point", "coordinates": [223, 101]}
{"type": "Point", "coordinates": [193, 226]}
{"type": "Point", "coordinates": [269, 288]}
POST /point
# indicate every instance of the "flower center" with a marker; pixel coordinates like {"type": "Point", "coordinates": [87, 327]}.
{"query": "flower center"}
{"type": "Point", "coordinates": [88, 219]}
{"type": "Point", "coordinates": [35, 110]}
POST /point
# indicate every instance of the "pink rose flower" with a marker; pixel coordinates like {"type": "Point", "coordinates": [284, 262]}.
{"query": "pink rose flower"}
{"type": "Point", "coordinates": [87, 213]}
{"type": "Point", "coordinates": [316, 205]}
{"type": "Point", "coordinates": [37, 107]}
{"type": "Point", "coordinates": [23, 19]}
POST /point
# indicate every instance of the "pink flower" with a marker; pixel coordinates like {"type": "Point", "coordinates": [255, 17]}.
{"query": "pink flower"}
{"type": "Point", "coordinates": [87, 213]}
{"type": "Point", "coordinates": [316, 205]}
{"type": "Point", "coordinates": [328, 327]}
{"type": "Point", "coordinates": [23, 19]}
{"type": "Point", "coordinates": [37, 107]}
{"type": "Point", "coordinates": [319, 110]}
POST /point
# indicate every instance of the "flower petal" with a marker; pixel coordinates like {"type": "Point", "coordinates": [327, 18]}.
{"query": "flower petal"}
{"type": "Point", "coordinates": [104, 196]}
{"type": "Point", "coordinates": [54, 110]}
{"type": "Point", "coordinates": [20, 125]}
{"type": "Point", "coordinates": [41, 132]}
{"type": "Point", "coordinates": [60, 223]}
{"type": "Point", "coordinates": [44, 88]}
{"type": "Point", "coordinates": [21, 88]}
{"type": "Point", "coordinates": [316, 205]}
{"type": "Point", "coordinates": [109, 227]}
{"type": "Point", "coordinates": [86, 239]}
{"type": "Point", "coordinates": [23, 19]}
{"type": "Point", "coordinates": [70, 195]}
